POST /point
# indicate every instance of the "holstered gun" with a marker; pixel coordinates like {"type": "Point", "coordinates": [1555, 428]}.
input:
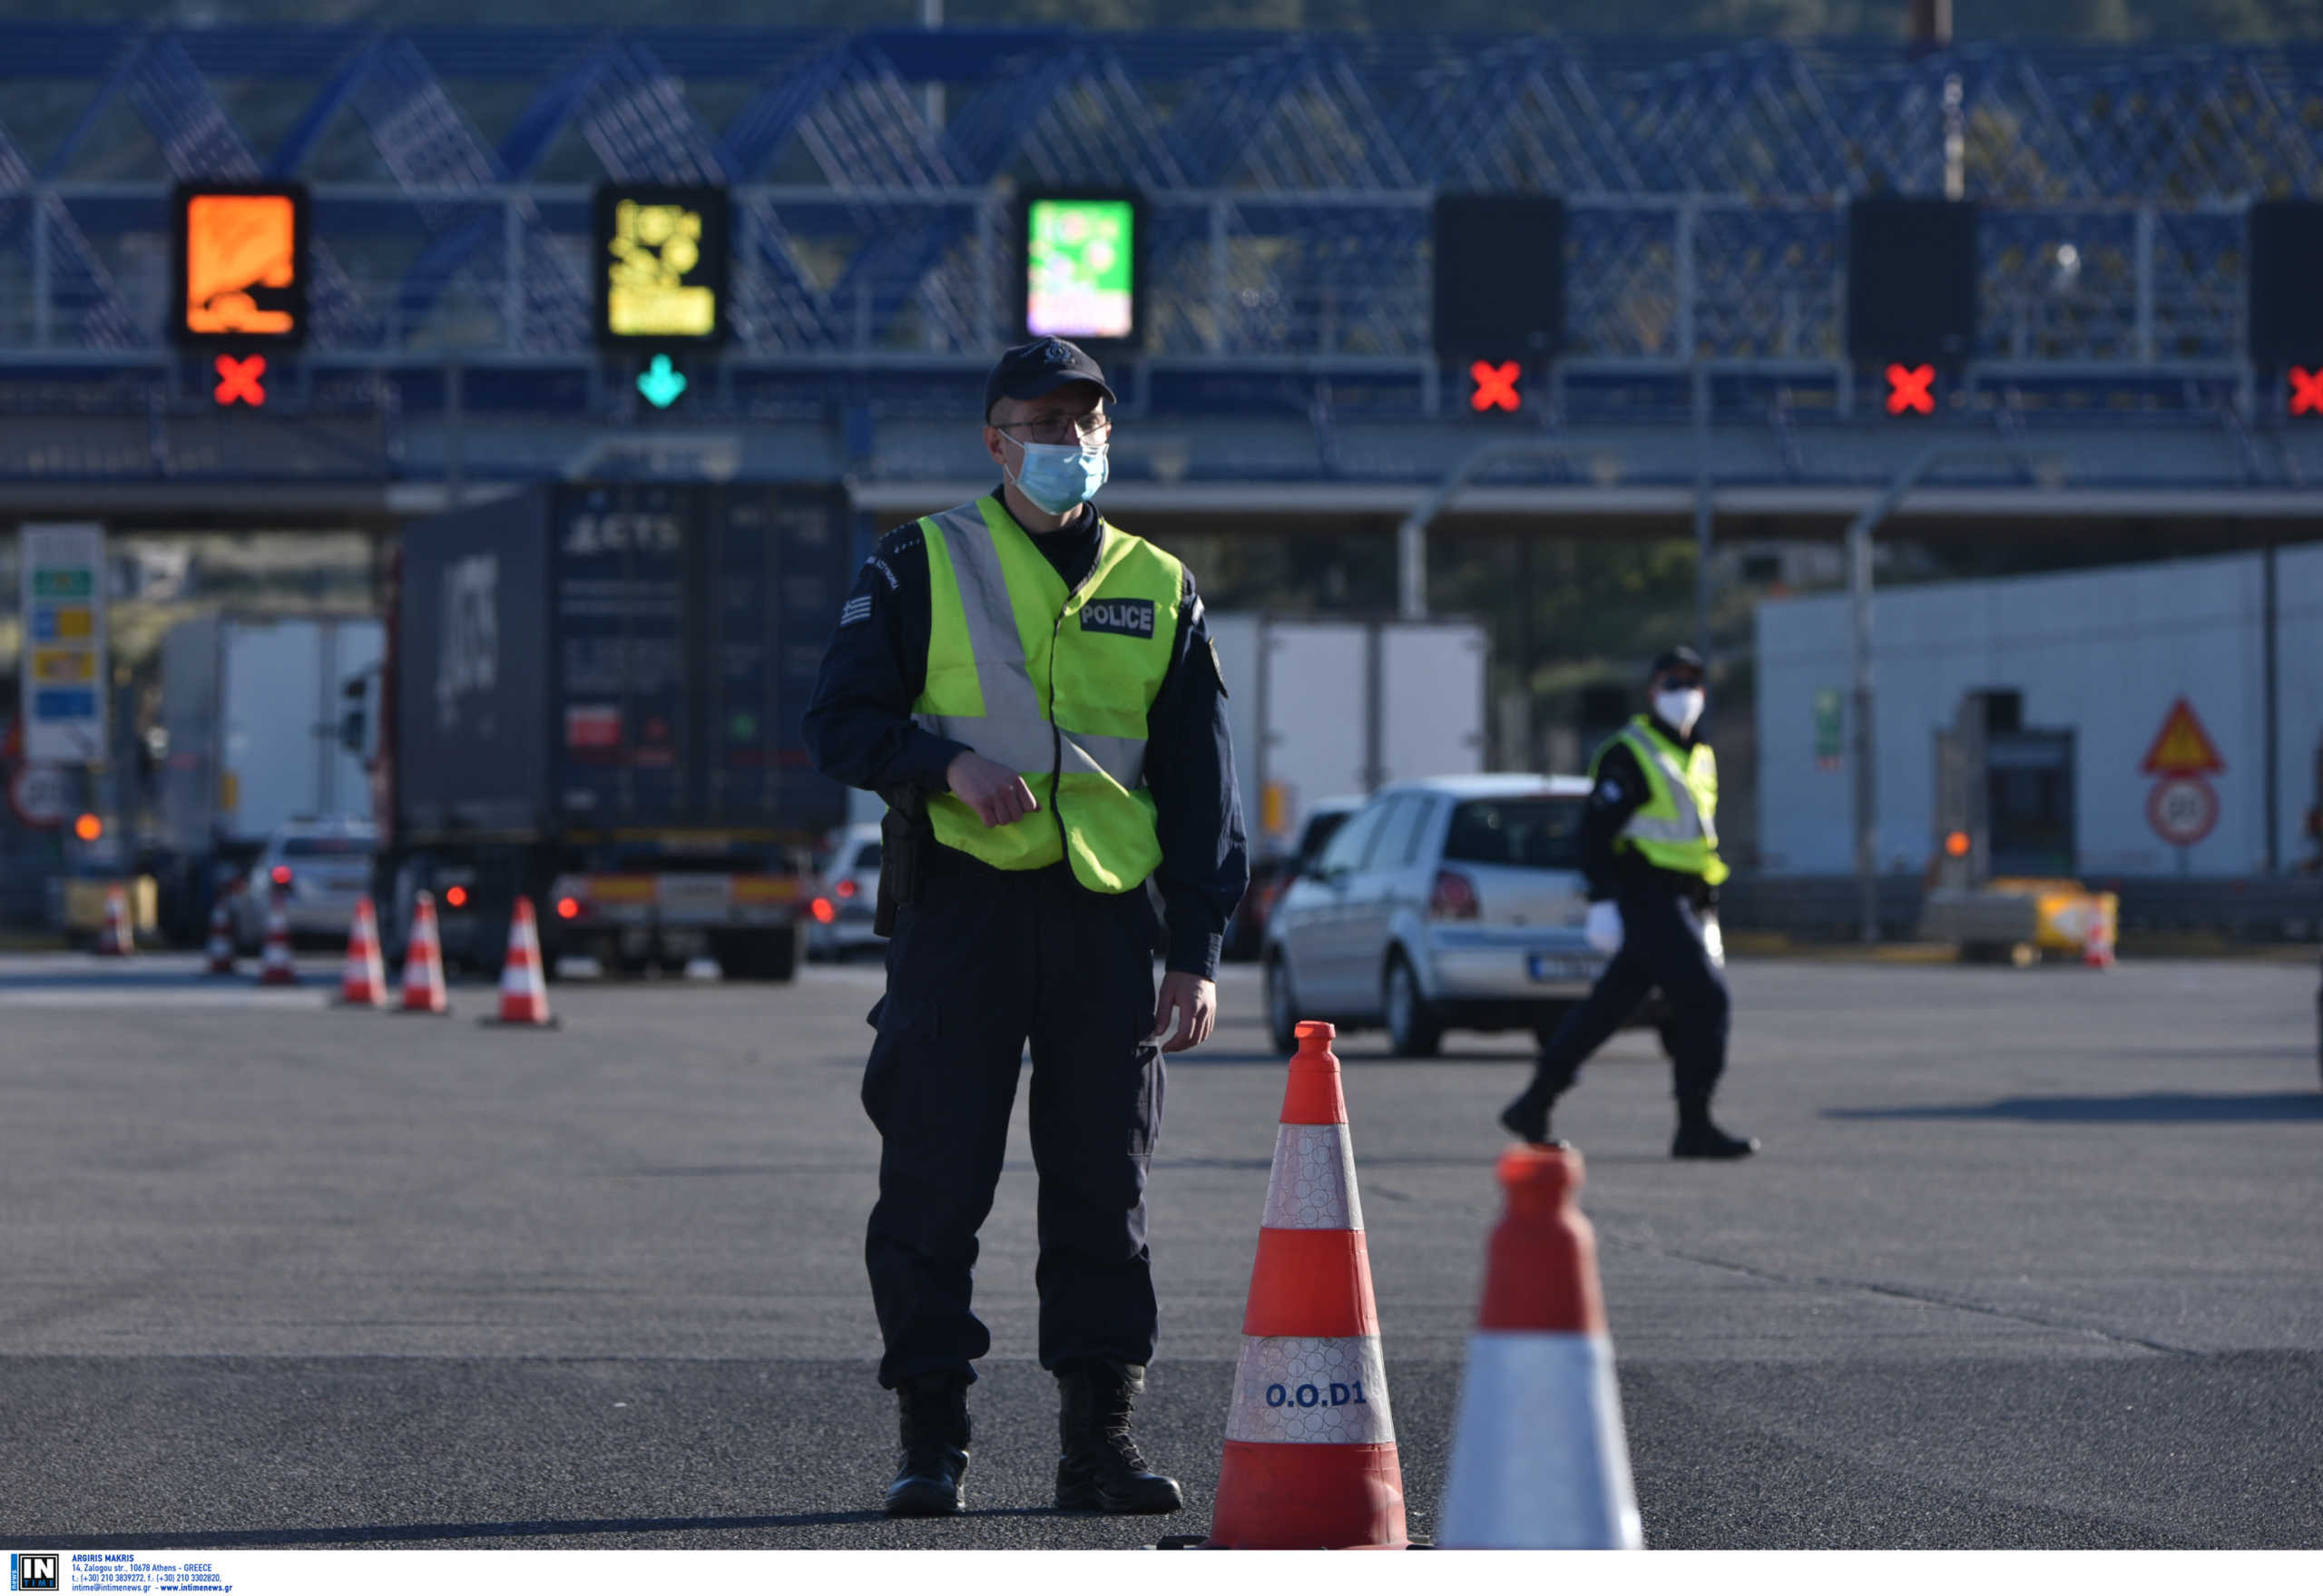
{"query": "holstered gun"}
{"type": "Point", "coordinates": [904, 838]}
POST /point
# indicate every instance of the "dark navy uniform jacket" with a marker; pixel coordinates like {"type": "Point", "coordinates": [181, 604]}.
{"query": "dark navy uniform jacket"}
{"type": "Point", "coordinates": [860, 730]}
{"type": "Point", "coordinates": [1618, 793]}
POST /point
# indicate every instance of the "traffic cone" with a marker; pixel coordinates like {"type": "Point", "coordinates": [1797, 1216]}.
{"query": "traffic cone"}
{"type": "Point", "coordinates": [275, 969]}
{"type": "Point", "coordinates": [523, 987]}
{"type": "Point", "coordinates": [1310, 1447]}
{"type": "Point", "coordinates": [115, 940]}
{"type": "Point", "coordinates": [2097, 946]}
{"type": "Point", "coordinates": [220, 952]}
{"type": "Point", "coordinates": [1538, 1453]}
{"type": "Point", "coordinates": [423, 962]}
{"type": "Point", "coordinates": [363, 983]}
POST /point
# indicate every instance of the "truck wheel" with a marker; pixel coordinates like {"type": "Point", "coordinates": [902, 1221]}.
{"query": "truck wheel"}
{"type": "Point", "coordinates": [760, 955]}
{"type": "Point", "coordinates": [1412, 1031]}
{"type": "Point", "coordinates": [781, 954]}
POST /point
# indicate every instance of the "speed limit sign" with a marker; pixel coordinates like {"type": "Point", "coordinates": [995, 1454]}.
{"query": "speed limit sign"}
{"type": "Point", "coordinates": [39, 796]}
{"type": "Point", "coordinates": [2182, 809]}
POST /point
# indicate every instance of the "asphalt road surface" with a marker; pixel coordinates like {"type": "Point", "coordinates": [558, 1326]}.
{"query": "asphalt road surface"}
{"type": "Point", "coordinates": [2032, 1259]}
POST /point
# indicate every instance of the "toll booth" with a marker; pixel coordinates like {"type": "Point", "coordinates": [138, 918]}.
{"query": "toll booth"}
{"type": "Point", "coordinates": [2004, 799]}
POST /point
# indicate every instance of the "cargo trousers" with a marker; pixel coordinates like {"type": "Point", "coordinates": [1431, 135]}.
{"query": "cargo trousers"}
{"type": "Point", "coordinates": [984, 963]}
{"type": "Point", "coordinates": [1663, 946]}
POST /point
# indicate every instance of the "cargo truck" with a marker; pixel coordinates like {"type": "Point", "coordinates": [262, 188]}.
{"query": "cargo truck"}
{"type": "Point", "coordinates": [250, 709]}
{"type": "Point", "coordinates": [593, 700]}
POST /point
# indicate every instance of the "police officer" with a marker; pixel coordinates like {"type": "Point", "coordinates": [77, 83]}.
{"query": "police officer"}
{"type": "Point", "coordinates": [1037, 690]}
{"type": "Point", "coordinates": [1649, 846]}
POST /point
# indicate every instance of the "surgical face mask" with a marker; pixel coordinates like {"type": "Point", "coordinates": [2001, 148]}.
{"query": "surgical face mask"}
{"type": "Point", "coordinates": [1057, 476]}
{"type": "Point", "coordinates": [1678, 708]}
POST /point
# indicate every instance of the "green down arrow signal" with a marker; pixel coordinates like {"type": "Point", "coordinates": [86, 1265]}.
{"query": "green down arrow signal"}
{"type": "Point", "coordinates": [661, 382]}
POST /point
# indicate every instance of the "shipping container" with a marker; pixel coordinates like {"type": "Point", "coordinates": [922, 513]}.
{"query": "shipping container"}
{"type": "Point", "coordinates": [598, 697]}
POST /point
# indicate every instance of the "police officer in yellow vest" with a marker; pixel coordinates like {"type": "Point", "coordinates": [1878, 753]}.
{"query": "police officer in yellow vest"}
{"type": "Point", "coordinates": [1037, 689]}
{"type": "Point", "coordinates": [1649, 846]}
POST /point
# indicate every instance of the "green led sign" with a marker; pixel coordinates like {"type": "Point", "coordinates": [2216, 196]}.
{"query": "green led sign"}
{"type": "Point", "coordinates": [1081, 267]}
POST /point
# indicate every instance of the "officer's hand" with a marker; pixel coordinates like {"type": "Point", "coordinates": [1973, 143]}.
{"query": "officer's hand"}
{"type": "Point", "coordinates": [1602, 929]}
{"type": "Point", "coordinates": [1186, 1009]}
{"type": "Point", "coordinates": [998, 794]}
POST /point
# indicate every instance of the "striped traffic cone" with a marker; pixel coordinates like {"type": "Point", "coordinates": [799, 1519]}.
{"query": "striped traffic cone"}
{"type": "Point", "coordinates": [2097, 946]}
{"type": "Point", "coordinates": [115, 940]}
{"type": "Point", "coordinates": [1310, 1447]}
{"type": "Point", "coordinates": [523, 987]}
{"type": "Point", "coordinates": [220, 952]}
{"type": "Point", "coordinates": [275, 969]}
{"type": "Point", "coordinates": [1538, 1455]}
{"type": "Point", "coordinates": [363, 982]}
{"type": "Point", "coordinates": [423, 962]}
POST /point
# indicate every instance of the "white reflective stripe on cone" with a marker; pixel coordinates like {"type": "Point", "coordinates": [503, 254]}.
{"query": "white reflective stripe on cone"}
{"type": "Point", "coordinates": [1538, 1455]}
{"type": "Point", "coordinates": [1329, 1390]}
{"type": "Point", "coordinates": [1312, 1184]}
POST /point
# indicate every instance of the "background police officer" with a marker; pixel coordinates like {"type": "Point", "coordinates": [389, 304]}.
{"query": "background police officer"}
{"type": "Point", "coordinates": [1649, 846]}
{"type": "Point", "coordinates": [1042, 684]}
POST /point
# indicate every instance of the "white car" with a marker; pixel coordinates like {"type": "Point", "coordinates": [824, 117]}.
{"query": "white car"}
{"type": "Point", "coordinates": [322, 869]}
{"type": "Point", "coordinates": [1454, 901]}
{"type": "Point", "coordinates": [848, 895]}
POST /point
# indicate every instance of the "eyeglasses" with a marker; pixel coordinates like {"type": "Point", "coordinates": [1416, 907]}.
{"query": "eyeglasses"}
{"type": "Point", "coordinates": [1676, 683]}
{"type": "Point", "coordinates": [1061, 429]}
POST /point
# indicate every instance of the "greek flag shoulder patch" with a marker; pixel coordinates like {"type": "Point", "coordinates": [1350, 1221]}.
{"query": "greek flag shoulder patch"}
{"type": "Point", "coordinates": [857, 608]}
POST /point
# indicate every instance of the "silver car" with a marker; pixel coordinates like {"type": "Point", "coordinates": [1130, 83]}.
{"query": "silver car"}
{"type": "Point", "coordinates": [1455, 901]}
{"type": "Point", "coordinates": [322, 869]}
{"type": "Point", "coordinates": [846, 899]}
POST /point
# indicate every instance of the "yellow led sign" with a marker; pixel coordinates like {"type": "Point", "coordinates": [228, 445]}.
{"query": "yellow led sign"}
{"type": "Point", "coordinates": [661, 265]}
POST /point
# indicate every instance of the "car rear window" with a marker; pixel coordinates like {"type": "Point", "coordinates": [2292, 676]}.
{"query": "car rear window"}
{"type": "Point", "coordinates": [326, 847]}
{"type": "Point", "coordinates": [1531, 833]}
{"type": "Point", "coordinates": [1320, 829]}
{"type": "Point", "coordinates": [867, 857]}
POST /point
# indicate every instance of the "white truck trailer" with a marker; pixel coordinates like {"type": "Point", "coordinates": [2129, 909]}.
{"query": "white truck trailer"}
{"type": "Point", "coordinates": [1324, 709]}
{"type": "Point", "coordinates": [253, 706]}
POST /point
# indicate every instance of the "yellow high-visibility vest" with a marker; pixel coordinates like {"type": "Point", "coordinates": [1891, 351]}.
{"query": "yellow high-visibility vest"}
{"type": "Point", "coordinates": [1676, 827]}
{"type": "Point", "coordinates": [1054, 684]}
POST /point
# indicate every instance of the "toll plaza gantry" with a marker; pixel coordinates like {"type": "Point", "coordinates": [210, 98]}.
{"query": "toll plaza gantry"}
{"type": "Point", "coordinates": [698, 253]}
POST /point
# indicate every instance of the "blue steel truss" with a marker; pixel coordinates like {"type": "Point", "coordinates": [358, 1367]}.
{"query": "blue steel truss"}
{"type": "Point", "coordinates": [1290, 176]}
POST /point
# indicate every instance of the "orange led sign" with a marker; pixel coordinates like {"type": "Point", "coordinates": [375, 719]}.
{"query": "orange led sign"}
{"type": "Point", "coordinates": [241, 264]}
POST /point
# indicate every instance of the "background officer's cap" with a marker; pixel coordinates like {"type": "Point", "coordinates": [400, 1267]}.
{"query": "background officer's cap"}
{"type": "Point", "coordinates": [1030, 370]}
{"type": "Point", "coordinates": [1681, 658]}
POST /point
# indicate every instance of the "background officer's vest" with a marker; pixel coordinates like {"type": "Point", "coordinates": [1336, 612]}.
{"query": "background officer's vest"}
{"type": "Point", "coordinates": [1676, 827]}
{"type": "Point", "coordinates": [1054, 685]}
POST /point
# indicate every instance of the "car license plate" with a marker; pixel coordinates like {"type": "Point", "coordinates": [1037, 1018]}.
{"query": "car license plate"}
{"type": "Point", "coordinates": [1557, 967]}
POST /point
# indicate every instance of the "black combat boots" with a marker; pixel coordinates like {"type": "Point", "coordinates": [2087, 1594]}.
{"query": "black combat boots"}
{"type": "Point", "coordinates": [1101, 1470]}
{"type": "Point", "coordinates": [1698, 1137]}
{"type": "Point", "coordinates": [935, 1448]}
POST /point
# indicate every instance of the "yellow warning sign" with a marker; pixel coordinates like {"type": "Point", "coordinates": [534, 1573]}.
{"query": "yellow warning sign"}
{"type": "Point", "coordinates": [2183, 747]}
{"type": "Point", "coordinates": [64, 665]}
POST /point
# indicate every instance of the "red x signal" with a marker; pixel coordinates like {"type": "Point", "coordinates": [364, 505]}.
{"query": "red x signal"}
{"type": "Point", "coordinates": [2306, 391]}
{"type": "Point", "coordinates": [241, 380]}
{"type": "Point", "coordinates": [1495, 386]}
{"type": "Point", "coordinates": [1911, 388]}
